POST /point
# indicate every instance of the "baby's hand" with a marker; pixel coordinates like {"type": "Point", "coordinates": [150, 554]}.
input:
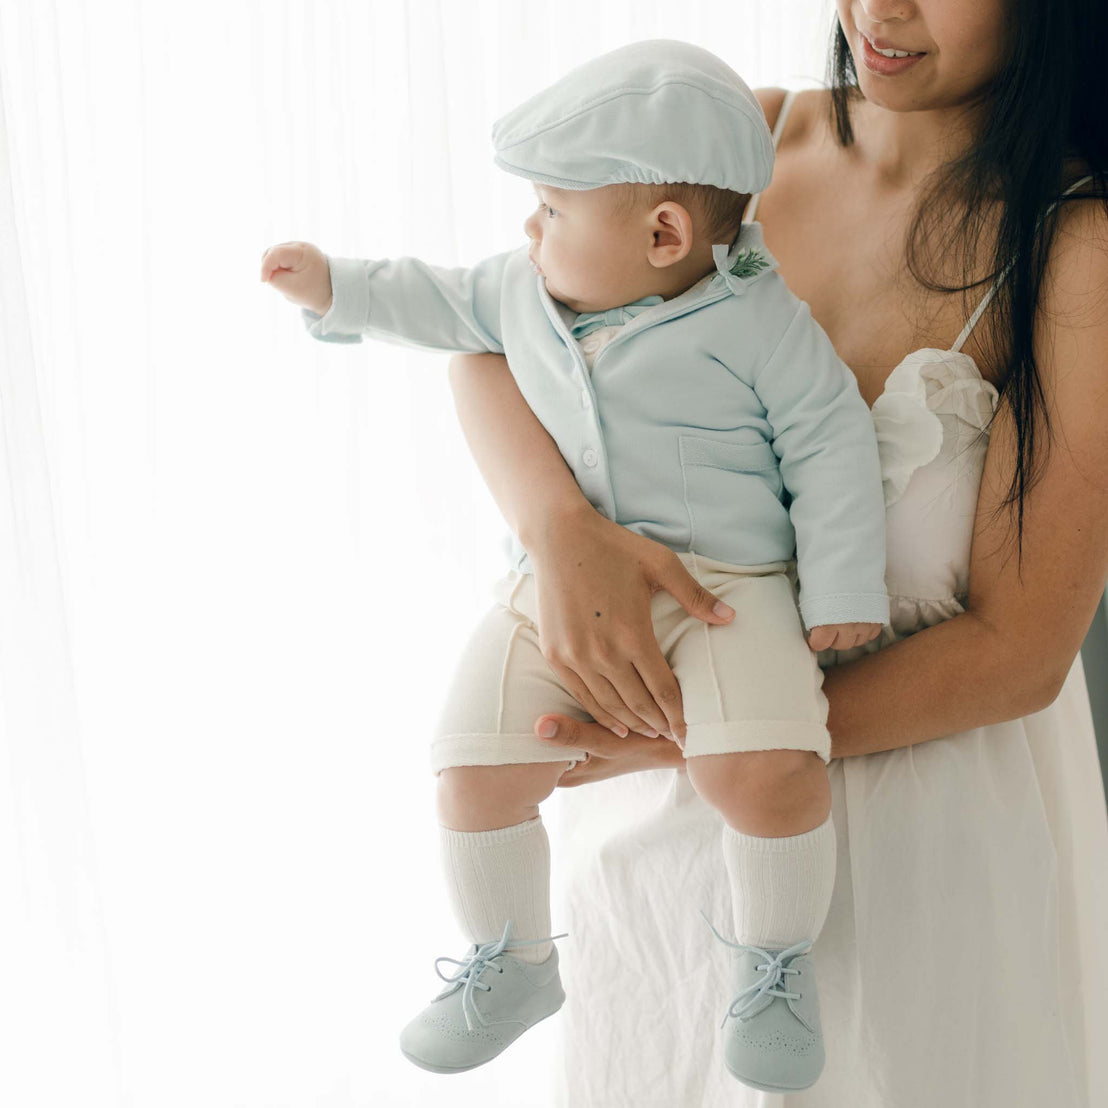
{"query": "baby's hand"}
{"type": "Point", "coordinates": [842, 636]}
{"type": "Point", "coordinates": [299, 271]}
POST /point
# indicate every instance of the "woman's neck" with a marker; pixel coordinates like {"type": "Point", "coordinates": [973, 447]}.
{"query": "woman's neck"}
{"type": "Point", "coordinates": [903, 147]}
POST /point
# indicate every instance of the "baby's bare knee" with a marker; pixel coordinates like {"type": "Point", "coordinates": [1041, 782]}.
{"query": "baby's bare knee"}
{"type": "Point", "coordinates": [758, 778]}
{"type": "Point", "coordinates": [483, 798]}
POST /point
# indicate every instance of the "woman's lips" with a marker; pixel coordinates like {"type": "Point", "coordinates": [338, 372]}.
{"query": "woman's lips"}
{"type": "Point", "coordinates": [886, 67]}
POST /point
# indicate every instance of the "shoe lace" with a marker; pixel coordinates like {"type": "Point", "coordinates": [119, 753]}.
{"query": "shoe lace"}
{"type": "Point", "coordinates": [774, 972]}
{"type": "Point", "coordinates": [480, 958]}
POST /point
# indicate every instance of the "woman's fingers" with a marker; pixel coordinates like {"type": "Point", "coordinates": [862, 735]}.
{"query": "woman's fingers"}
{"type": "Point", "coordinates": [606, 755]}
{"type": "Point", "coordinates": [628, 687]}
{"type": "Point", "coordinates": [610, 701]}
{"type": "Point", "coordinates": [593, 686]}
{"type": "Point", "coordinates": [584, 696]}
{"type": "Point", "coordinates": [690, 594]}
{"type": "Point", "coordinates": [582, 734]}
{"type": "Point", "coordinates": [611, 669]}
{"type": "Point", "coordinates": [661, 684]}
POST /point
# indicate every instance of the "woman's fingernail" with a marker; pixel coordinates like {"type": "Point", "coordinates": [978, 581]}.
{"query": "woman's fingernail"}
{"type": "Point", "coordinates": [721, 609]}
{"type": "Point", "coordinates": [548, 729]}
{"type": "Point", "coordinates": [650, 733]}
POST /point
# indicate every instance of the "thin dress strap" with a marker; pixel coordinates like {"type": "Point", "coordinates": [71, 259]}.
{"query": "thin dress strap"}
{"type": "Point", "coordinates": [778, 128]}
{"type": "Point", "coordinates": [972, 321]}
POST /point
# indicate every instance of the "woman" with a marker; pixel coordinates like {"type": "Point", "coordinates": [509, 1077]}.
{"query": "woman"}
{"type": "Point", "coordinates": [963, 960]}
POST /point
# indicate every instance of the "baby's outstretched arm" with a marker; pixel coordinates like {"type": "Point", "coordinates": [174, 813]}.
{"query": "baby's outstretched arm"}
{"type": "Point", "coordinates": [404, 301]}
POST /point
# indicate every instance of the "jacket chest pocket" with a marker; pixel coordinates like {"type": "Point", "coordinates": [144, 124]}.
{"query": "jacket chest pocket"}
{"type": "Point", "coordinates": [729, 487]}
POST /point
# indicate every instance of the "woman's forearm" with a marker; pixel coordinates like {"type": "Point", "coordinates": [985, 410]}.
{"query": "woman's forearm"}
{"type": "Point", "coordinates": [521, 464]}
{"type": "Point", "coordinates": [948, 678]}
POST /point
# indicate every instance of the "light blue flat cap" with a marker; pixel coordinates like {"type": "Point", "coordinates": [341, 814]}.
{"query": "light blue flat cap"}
{"type": "Point", "coordinates": [651, 112]}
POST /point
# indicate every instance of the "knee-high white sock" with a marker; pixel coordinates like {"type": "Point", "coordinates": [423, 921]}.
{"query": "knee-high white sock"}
{"type": "Point", "coordinates": [494, 876]}
{"type": "Point", "coordinates": [780, 888]}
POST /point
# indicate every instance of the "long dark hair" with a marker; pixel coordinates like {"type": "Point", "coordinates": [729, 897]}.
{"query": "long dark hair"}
{"type": "Point", "coordinates": [1047, 103]}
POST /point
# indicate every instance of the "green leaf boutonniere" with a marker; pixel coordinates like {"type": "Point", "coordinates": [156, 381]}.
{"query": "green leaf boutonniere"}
{"type": "Point", "coordinates": [749, 262]}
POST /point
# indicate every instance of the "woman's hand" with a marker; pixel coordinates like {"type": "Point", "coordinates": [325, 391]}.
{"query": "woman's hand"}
{"type": "Point", "coordinates": [593, 578]}
{"type": "Point", "coordinates": [608, 754]}
{"type": "Point", "coordinates": [594, 581]}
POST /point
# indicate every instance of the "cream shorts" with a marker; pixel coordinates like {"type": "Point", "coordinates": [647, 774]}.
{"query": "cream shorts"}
{"type": "Point", "coordinates": [753, 684]}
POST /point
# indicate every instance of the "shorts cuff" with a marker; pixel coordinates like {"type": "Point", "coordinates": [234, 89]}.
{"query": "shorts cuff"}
{"type": "Point", "coordinates": [757, 734]}
{"type": "Point", "coordinates": [497, 750]}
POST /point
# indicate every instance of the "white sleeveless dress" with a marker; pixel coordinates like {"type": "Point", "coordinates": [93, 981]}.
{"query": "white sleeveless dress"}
{"type": "Point", "coordinates": [964, 960]}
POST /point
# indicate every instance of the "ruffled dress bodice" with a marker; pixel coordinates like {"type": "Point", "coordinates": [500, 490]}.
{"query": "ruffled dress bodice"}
{"type": "Point", "coordinates": [932, 425]}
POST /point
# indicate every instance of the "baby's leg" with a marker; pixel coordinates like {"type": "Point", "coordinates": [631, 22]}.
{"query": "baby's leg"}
{"type": "Point", "coordinates": [496, 852]}
{"type": "Point", "coordinates": [764, 792]}
{"type": "Point", "coordinates": [485, 798]}
{"type": "Point", "coordinates": [757, 750]}
{"type": "Point", "coordinates": [778, 840]}
{"type": "Point", "coordinates": [493, 773]}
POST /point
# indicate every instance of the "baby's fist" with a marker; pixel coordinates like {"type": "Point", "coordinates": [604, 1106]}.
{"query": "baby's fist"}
{"type": "Point", "coordinates": [842, 636]}
{"type": "Point", "coordinates": [299, 271]}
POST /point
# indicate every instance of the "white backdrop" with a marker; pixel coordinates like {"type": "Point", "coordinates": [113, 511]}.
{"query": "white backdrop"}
{"type": "Point", "coordinates": [236, 565]}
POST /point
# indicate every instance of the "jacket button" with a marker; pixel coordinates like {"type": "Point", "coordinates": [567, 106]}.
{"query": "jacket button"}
{"type": "Point", "coordinates": [589, 458]}
{"type": "Point", "coordinates": [589, 345]}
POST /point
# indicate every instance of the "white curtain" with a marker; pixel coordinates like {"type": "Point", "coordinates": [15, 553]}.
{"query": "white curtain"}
{"type": "Point", "coordinates": [237, 565]}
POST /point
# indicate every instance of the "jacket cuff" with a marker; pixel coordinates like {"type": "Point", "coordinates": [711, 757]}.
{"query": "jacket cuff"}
{"type": "Point", "coordinates": [845, 607]}
{"type": "Point", "coordinates": [349, 312]}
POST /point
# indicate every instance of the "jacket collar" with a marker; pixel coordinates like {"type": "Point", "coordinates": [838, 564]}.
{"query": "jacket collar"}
{"type": "Point", "coordinates": [744, 261]}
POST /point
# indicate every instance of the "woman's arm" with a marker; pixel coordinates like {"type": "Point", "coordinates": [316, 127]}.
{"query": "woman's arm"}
{"type": "Point", "coordinates": [594, 578]}
{"type": "Point", "coordinates": [519, 461]}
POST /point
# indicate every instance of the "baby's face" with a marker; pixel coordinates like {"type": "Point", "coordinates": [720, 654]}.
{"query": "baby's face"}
{"type": "Point", "coordinates": [591, 257]}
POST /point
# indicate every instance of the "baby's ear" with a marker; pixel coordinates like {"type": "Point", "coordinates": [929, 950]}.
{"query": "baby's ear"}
{"type": "Point", "coordinates": [673, 234]}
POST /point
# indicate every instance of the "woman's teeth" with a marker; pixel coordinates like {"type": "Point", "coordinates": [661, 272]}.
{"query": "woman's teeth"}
{"type": "Point", "coordinates": [893, 53]}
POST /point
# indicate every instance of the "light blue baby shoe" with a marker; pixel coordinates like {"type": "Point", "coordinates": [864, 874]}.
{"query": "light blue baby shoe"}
{"type": "Point", "coordinates": [775, 1042]}
{"type": "Point", "coordinates": [491, 1000]}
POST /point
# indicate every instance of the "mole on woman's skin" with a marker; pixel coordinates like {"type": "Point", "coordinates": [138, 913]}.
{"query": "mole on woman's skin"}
{"type": "Point", "coordinates": [597, 614]}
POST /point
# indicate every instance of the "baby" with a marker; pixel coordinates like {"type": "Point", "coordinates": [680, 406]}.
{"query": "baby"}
{"type": "Point", "coordinates": [697, 403]}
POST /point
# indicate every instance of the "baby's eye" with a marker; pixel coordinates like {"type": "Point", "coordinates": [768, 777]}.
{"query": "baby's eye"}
{"type": "Point", "coordinates": [549, 210]}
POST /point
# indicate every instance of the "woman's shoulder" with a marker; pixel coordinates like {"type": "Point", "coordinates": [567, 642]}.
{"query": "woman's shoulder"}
{"type": "Point", "coordinates": [807, 106]}
{"type": "Point", "coordinates": [1077, 267]}
{"type": "Point", "coordinates": [771, 100]}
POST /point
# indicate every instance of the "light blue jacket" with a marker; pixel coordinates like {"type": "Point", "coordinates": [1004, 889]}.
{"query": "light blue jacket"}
{"type": "Point", "coordinates": [720, 421]}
